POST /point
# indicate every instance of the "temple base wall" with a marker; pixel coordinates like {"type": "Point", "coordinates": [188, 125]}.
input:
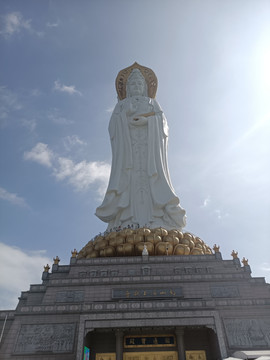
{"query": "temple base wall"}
{"type": "Point", "coordinates": [184, 307]}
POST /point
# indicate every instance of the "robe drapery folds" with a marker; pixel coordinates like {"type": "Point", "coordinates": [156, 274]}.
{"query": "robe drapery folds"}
{"type": "Point", "coordinates": [118, 207]}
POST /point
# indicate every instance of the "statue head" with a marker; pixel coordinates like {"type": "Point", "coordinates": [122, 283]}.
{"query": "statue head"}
{"type": "Point", "coordinates": [146, 74]}
{"type": "Point", "coordinates": [136, 84]}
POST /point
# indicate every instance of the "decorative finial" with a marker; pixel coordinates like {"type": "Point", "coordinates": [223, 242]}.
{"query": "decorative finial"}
{"type": "Point", "coordinates": [234, 254]}
{"type": "Point", "coordinates": [56, 260]}
{"type": "Point", "coordinates": [145, 251]}
{"type": "Point", "coordinates": [245, 261]}
{"type": "Point", "coordinates": [216, 248]}
{"type": "Point", "coordinates": [74, 253]}
{"type": "Point", "coordinates": [46, 268]}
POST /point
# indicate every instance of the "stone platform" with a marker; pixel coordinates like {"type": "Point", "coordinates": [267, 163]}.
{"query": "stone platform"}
{"type": "Point", "coordinates": [138, 307]}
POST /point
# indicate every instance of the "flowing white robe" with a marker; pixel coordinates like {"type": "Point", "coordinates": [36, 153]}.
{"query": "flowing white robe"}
{"type": "Point", "coordinates": [140, 190]}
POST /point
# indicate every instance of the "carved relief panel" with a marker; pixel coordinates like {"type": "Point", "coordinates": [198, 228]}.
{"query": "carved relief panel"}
{"type": "Point", "coordinates": [248, 333]}
{"type": "Point", "coordinates": [55, 338]}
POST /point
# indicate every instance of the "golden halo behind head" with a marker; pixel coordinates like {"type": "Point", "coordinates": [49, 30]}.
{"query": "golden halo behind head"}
{"type": "Point", "coordinates": [148, 74]}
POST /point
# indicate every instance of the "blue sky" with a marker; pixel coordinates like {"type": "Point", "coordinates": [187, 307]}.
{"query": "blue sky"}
{"type": "Point", "coordinates": [59, 61]}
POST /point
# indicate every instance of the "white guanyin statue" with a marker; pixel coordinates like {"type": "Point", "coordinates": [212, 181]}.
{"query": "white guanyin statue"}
{"type": "Point", "coordinates": [140, 192]}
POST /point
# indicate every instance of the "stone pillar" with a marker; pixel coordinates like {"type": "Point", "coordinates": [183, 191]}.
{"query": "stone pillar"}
{"type": "Point", "coordinates": [119, 344]}
{"type": "Point", "coordinates": [180, 343]}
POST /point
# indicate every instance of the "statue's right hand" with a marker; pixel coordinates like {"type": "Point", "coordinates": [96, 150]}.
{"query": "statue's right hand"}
{"type": "Point", "coordinates": [139, 120]}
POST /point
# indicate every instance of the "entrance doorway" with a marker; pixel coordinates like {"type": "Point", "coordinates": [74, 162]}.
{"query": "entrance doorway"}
{"type": "Point", "coordinates": [198, 343]}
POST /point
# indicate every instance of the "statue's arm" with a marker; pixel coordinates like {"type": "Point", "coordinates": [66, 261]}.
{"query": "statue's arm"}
{"type": "Point", "coordinates": [160, 117]}
{"type": "Point", "coordinates": [113, 121]}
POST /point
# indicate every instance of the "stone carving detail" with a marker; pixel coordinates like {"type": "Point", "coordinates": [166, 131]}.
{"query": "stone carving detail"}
{"type": "Point", "coordinates": [98, 306]}
{"type": "Point", "coordinates": [248, 333]}
{"type": "Point", "coordinates": [192, 270]}
{"type": "Point", "coordinates": [122, 306]}
{"type": "Point", "coordinates": [56, 338]}
{"type": "Point", "coordinates": [146, 270]}
{"type": "Point", "coordinates": [114, 273]}
{"type": "Point", "coordinates": [179, 271]}
{"type": "Point", "coordinates": [82, 274]}
{"type": "Point", "coordinates": [135, 305]}
{"type": "Point", "coordinates": [111, 306]}
{"type": "Point", "coordinates": [69, 296]}
{"type": "Point", "coordinates": [95, 273]}
{"type": "Point", "coordinates": [224, 291]}
{"type": "Point", "coordinates": [131, 272]}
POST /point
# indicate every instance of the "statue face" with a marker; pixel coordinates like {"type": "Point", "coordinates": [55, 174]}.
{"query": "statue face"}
{"type": "Point", "coordinates": [135, 86]}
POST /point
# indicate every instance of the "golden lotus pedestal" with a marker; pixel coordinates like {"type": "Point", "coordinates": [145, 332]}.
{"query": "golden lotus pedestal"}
{"type": "Point", "coordinates": [131, 242]}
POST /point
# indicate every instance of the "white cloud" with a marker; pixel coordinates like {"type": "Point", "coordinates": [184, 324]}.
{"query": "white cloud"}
{"type": "Point", "coordinates": [80, 175]}
{"type": "Point", "coordinates": [8, 103]}
{"type": "Point", "coordinates": [58, 119]}
{"type": "Point", "coordinates": [206, 202]}
{"type": "Point", "coordinates": [71, 141]}
{"type": "Point", "coordinates": [83, 174]}
{"type": "Point", "coordinates": [35, 92]}
{"type": "Point", "coordinates": [110, 110]}
{"type": "Point", "coordinates": [265, 267]}
{"type": "Point", "coordinates": [220, 214]}
{"type": "Point", "coordinates": [14, 23]}
{"type": "Point", "coordinates": [66, 89]}
{"type": "Point", "coordinates": [12, 198]}
{"type": "Point", "coordinates": [29, 124]}
{"type": "Point", "coordinates": [20, 268]}
{"type": "Point", "coordinates": [209, 207]}
{"type": "Point", "coordinates": [52, 25]}
{"type": "Point", "coordinates": [41, 154]}
{"type": "Point", "coordinates": [10, 107]}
